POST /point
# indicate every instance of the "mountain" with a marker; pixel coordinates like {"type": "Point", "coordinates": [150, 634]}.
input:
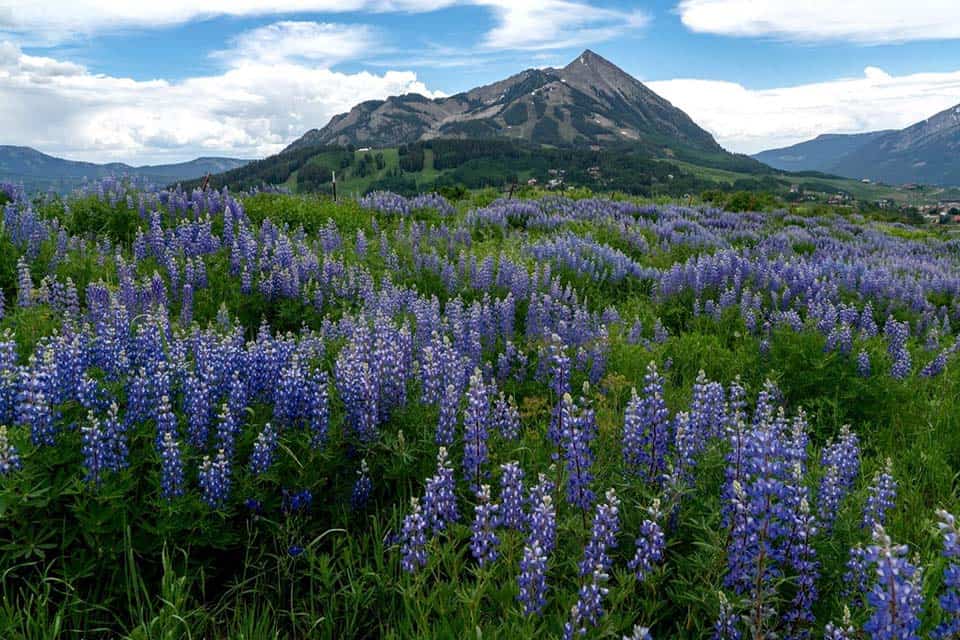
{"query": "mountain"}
{"type": "Point", "coordinates": [820, 154]}
{"type": "Point", "coordinates": [40, 172]}
{"type": "Point", "coordinates": [590, 102]}
{"type": "Point", "coordinates": [927, 153]}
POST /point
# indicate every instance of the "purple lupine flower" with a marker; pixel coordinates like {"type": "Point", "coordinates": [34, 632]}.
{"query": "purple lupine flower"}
{"type": "Point", "coordinates": [439, 500]}
{"type": "Point", "coordinates": [506, 417]}
{"type": "Point", "coordinates": [868, 326]}
{"type": "Point", "coordinates": [802, 558]}
{"type": "Point", "coordinates": [841, 464]}
{"type": "Point", "coordinates": [559, 363]}
{"type": "Point", "coordinates": [357, 384]}
{"type": "Point", "coordinates": [687, 442]}
{"type": "Point", "coordinates": [227, 430]}
{"type": "Point", "coordinates": [650, 544]}
{"type": "Point", "coordinates": [855, 578]}
{"type": "Point", "coordinates": [575, 438]}
{"type": "Point", "coordinates": [214, 479]}
{"type": "Point", "coordinates": [936, 366]}
{"type": "Point", "coordinates": [512, 497]}
{"type": "Point", "coordinates": [8, 382]}
{"type": "Point", "coordinates": [761, 512]}
{"type": "Point", "coordinates": [431, 370]}
{"type": "Point", "coordinates": [484, 542]}
{"type": "Point", "coordinates": [881, 498]}
{"type": "Point", "coordinates": [725, 628]}
{"type": "Point", "coordinates": [166, 420]}
{"type": "Point", "coordinates": [646, 431]}
{"type": "Point", "coordinates": [660, 333]}
{"type": "Point", "coordinates": [842, 631]}
{"type": "Point", "coordinates": [896, 596]}
{"type": "Point", "coordinates": [362, 488]}
{"type": "Point", "coordinates": [636, 332]}
{"type": "Point", "coordinates": [138, 398]}
{"type": "Point", "coordinates": [186, 305]}
{"type": "Point", "coordinates": [95, 450]}
{"type": "Point", "coordinates": [532, 580]}
{"type": "Point", "coordinates": [318, 408]}
{"type": "Point", "coordinates": [863, 364]}
{"type": "Point", "coordinates": [296, 501]}
{"type": "Point", "coordinates": [897, 334]}
{"type": "Point", "coordinates": [171, 470]}
{"type": "Point", "coordinates": [475, 429]}
{"type": "Point", "coordinates": [708, 414]}
{"type": "Point", "coordinates": [25, 294]}
{"type": "Point", "coordinates": [950, 599]}
{"type": "Point", "coordinates": [116, 437]}
{"type": "Point", "coordinates": [9, 458]}
{"type": "Point", "coordinates": [197, 394]}
{"type": "Point", "coordinates": [413, 548]}
{"type": "Point", "coordinates": [542, 524]}
{"type": "Point", "coordinates": [603, 535]}
{"type": "Point", "coordinates": [290, 395]}
{"type": "Point", "coordinates": [639, 633]}
{"type": "Point", "coordinates": [902, 364]}
{"type": "Point", "coordinates": [33, 405]}
{"type": "Point", "coordinates": [446, 425]}
{"type": "Point", "coordinates": [263, 450]}
{"type": "Point", "coordinates": [589, 606]}
{"type": "Point", "coordinates": [360, 246]}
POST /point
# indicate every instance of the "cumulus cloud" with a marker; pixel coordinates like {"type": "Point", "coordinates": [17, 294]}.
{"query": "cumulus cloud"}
{"type": "Point", "coordinates": [252, 109]}
{"type": "Point", "coordinates": [750, 120]}
{"type": "Point", "coordinates": [860, 21]}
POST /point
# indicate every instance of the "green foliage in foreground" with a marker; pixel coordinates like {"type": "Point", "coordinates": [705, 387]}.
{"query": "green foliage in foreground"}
{"type": "Point", "coordinates": [121, 562]}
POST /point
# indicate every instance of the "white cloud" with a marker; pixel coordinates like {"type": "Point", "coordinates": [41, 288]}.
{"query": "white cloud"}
{"type": "Point", "coordinates": [521, 24]}
{"type": "Point", "coordinates": [750, 120]}
{"type": "Point", "coordinates": [860, 21]}
{"type": "Point", "coordinates": [252, 109]}
{"type": "Point", "coordinates": [318, 43]}
{"type": "Point", "coordinates": [56, 20]}
{"type": "Point", "coordinates": [556, 24]}
{"type": "Point", "coordinates": [277, 81]}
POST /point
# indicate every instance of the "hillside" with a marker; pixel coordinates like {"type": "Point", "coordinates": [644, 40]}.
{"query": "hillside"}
{"type": "Point", "coordinates": [590, 102]}
{"type": "Point", "coordinates": [40, 172]}
{"type": "Point", "coordinates": [927, 152]}
{"type": "Point", "coordinates": [820, 154]}
{"type": "Point", "coordinates": [477, 163]}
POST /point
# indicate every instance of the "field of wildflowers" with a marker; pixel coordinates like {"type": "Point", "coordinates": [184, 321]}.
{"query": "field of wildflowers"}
{"type": "Point", "coordinates": [268, 416]}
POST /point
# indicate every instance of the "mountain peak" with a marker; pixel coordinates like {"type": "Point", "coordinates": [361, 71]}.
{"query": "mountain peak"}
{"type": "Point", "coordinates": [592, 60]}
{"type": "Point", "coordinates": [590, 102]}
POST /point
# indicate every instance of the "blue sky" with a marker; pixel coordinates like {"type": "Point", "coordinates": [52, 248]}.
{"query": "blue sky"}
{"type": "Point", "coordinates": [106, 79]}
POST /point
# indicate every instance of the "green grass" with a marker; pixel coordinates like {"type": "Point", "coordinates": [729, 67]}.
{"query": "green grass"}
{"type": "Point", "coordinates": [857, 189]}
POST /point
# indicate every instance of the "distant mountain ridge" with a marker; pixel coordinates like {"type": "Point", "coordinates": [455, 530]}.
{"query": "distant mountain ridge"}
{"type": "Point", "coordinates": [40, 171]}
{"type": "Point", "coordinates": [590, 102]}
{"type": "Point", "coordinates": [927, 152]}
{"type": "Point", "coordinates": [820, 154]}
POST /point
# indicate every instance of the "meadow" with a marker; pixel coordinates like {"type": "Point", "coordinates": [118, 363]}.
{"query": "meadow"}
{"type": "Point", "coordinates": [260, 415]}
